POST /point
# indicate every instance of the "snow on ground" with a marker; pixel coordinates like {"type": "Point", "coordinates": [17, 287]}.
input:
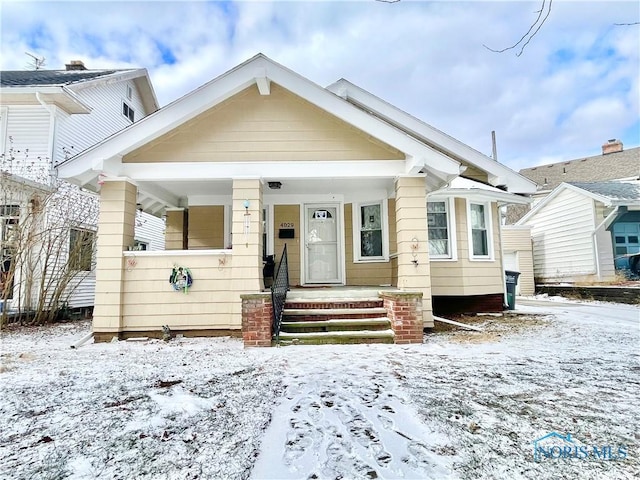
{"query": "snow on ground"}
{"type": "Point", "coordinates": [462, 405]}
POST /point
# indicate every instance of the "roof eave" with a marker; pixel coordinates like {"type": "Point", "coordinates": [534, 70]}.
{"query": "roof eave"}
{"type": "Point", "coordinates": [58, 95]}
{"type": "Point", "coordinates": [499, 174]}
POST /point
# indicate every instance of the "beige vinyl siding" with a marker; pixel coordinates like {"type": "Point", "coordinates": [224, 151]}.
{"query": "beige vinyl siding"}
{"type": "Point", "coordinates": [464, 276]}
{"type": "Point", "coordinates": [175, 230]}
{"type": "Point", "coordinates": [517, 241]}
{"type": "Point", "coordinates": [562, 242]}
{"type": "Point", "coordinates": [475, 173]}
{"type": "Point", "coordinates": [149, 300]}
{"type": "Point", "coordinates": [288, 214]}
{"type": "Point", "coordinates": [253, 127]}
{"type": "Point", "coordinates": [206, 227]}
{"type": "Point", "coordinates": [365, 273]}
{"type": "Point", "coordinates": [28, 129]}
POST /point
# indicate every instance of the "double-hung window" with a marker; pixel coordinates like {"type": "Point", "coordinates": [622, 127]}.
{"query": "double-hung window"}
{"type": "Point", "coordinates": [480, 244]}
{"type": "Point", "coordinates": [439, 229]}
{"type": "Point", "coordinates": [370, 225]}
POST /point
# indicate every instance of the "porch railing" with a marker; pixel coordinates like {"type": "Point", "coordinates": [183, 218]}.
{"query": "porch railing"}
{"type": "Point", "coordinates": [279, 291]}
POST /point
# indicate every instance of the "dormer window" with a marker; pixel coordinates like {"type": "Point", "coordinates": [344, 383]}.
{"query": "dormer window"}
{"type": "Point", "coordinates": [128, 112]}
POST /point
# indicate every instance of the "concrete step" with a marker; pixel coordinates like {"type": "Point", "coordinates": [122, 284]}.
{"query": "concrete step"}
{"type": "Point", "coordinates": [336, 324]}
{"type": "Point", "coordinates": [313, 313]}
{"type": "Point", "coordinates": [341, 337]}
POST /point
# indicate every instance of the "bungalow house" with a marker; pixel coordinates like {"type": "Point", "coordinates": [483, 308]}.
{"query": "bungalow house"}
{"type": "Point", "coordinates": [344, 189]}
{"type": "Point", "coordinates": [584, 232]}
{"type": "Point", "coordinates": [47, 116]}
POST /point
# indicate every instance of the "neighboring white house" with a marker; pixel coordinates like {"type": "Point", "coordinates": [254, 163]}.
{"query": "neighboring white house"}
{"type": "Point", "coordinates": [47, 116]}
{"type": "Point", "coordinates": [582, 231]}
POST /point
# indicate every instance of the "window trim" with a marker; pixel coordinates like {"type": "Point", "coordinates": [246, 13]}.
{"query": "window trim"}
{"type": "Point", "coordinates": [488, 220]}
{"type": "Point", "coordinates": [356, 232]}
{"type": "Point", "coordinates": [451, 230]}
{"type": "Point", "coordinates": [131, 112]}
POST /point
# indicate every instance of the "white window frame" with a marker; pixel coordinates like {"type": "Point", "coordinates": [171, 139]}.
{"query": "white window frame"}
{"type": "Point", "coordinates": [488, 221]}
{"type": "Point", "coordinates": [129, 109]}
{"type": "Point", "coordinates": [450, 209]}
{"type": "Point", "coordinates": [384, 220]}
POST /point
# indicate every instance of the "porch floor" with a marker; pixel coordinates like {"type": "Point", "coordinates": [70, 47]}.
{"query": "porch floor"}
{"type": "Point", "coordinates": [335, 292]}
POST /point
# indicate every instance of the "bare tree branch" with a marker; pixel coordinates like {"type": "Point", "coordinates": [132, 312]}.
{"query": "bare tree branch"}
{"type": "Point", "coordinates": [545, 9]}
{"type": "Point", "coordinates": [626, 24]}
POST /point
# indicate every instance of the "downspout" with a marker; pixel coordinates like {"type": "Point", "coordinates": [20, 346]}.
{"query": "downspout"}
{"type": "Point", "coordinates": [595, 239]}
{"type": "Point", "coordinates": [505, 302]}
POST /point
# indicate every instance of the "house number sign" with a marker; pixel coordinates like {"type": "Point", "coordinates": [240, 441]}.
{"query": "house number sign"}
{"type": "Point", "coordinates": [287, 225]}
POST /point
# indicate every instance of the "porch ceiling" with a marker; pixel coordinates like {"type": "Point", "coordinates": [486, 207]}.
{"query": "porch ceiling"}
{"type": "Point", "coordinates": [154, 197]}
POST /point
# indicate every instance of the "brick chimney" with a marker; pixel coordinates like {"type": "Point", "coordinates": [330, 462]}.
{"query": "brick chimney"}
{"type": "Point", "coordinates": [75, 65]}
{"type": "Point", "coordinates": [612, 146]}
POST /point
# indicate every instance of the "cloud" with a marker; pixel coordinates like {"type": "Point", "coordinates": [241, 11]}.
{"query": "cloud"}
{"type": "Point", "coordinates": [575, 85]}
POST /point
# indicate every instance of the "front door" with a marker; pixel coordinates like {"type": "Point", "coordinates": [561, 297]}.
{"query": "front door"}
{"type": "Point", "coordinates": [322, 255]}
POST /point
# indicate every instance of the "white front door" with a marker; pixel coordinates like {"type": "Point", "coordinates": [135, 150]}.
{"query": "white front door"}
{"type": "Point", "coordinates": [322, 255]}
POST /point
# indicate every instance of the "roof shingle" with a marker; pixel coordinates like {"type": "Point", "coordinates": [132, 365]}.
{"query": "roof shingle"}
{"type": "Point", "coordinates": [26, 78]}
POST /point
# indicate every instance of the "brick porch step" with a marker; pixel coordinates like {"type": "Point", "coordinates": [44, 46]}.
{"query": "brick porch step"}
{"type": "Point", "coordinates": [341, 337]}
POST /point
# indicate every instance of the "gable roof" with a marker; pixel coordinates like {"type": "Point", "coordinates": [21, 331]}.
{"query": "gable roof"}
{"type": "Point", "coordinates": [597, 168]}
{"type": "Point", "coordinates": [420, 158]}
{"type": "Point", "coordinates": [259, 71]}
{"type": "Point", "coordinates": [60, 86]}
{"type": "Point", "coordinates": [498, 174]}
{"type": "Point", "coordinates": [611, 194]}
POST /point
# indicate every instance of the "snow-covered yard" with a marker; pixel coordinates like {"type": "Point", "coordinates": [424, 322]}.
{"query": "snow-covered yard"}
{"type": "Point", "coordinates": [462, 405]}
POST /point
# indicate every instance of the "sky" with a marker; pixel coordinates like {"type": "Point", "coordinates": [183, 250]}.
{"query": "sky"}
{"type": "Point", "coordinates": [574, 86]}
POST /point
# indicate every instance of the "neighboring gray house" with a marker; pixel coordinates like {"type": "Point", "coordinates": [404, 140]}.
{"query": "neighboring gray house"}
{"type": "Point", "coordinates": [614, 163]}
{"type": "Point", "coordinates": [47, 116]}
{"type": "Point", "coordinates": [583, 232]}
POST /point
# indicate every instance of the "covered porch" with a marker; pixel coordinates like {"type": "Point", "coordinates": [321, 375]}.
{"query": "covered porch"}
{"type": "Point", "coordinates": [223, 241]}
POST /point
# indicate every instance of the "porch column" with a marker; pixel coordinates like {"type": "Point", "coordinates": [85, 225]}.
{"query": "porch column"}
{"type": "Point", "coordinates": [116, 227]}
{"type": "Point", "coordinates": [177, 228]}
{"type": "Point", "coordinates": [414, 273]}
{"type": "Point", "coordinates": [246, 233]}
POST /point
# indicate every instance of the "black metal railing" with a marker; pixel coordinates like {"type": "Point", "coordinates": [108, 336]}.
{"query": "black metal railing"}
{"type": "Point", "coordinates": [279, 291]}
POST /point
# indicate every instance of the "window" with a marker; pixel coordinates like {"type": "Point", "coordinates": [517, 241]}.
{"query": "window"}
{"type": "Point", "coordinates": [140, 246]}
{"type": "Point", "coordinates": [81, 249]}
{"type": "Point", "coordinates": [370, 232]}
{"type": "Point", "coordinates": [480, 232]}
{"type": "Point", "coordinates": [129, 92]}
{"type": "Point", "coordinates": [128, 112]}
{"type": "Point", "coordinates": [438, 228]}
{"type": "Point", "coordinates": [9, 221]}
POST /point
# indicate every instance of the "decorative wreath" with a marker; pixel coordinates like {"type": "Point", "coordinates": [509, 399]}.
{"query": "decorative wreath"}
{"type": "Point", "coordinates": [181, 279]}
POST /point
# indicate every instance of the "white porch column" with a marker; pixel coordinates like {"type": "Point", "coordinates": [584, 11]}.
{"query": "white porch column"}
{"type": "Point", "coordinates": [246, 233]}
{"type": "Point", "coordinates": [116, 227]}
{"type": "Point", "coordinates": [414, 272]}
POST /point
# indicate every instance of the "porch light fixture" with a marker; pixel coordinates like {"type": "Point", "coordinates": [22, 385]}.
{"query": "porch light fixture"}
{"type": "Point", "coordinates": [247, 222]}
{"type": "Point", "coordinates": [275, 185]}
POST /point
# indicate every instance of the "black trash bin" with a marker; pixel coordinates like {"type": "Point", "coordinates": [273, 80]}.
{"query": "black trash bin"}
{"type": "Point", "coordinates": [268, 271]}
{"type": "Point", "coordinates": [511, 280]}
